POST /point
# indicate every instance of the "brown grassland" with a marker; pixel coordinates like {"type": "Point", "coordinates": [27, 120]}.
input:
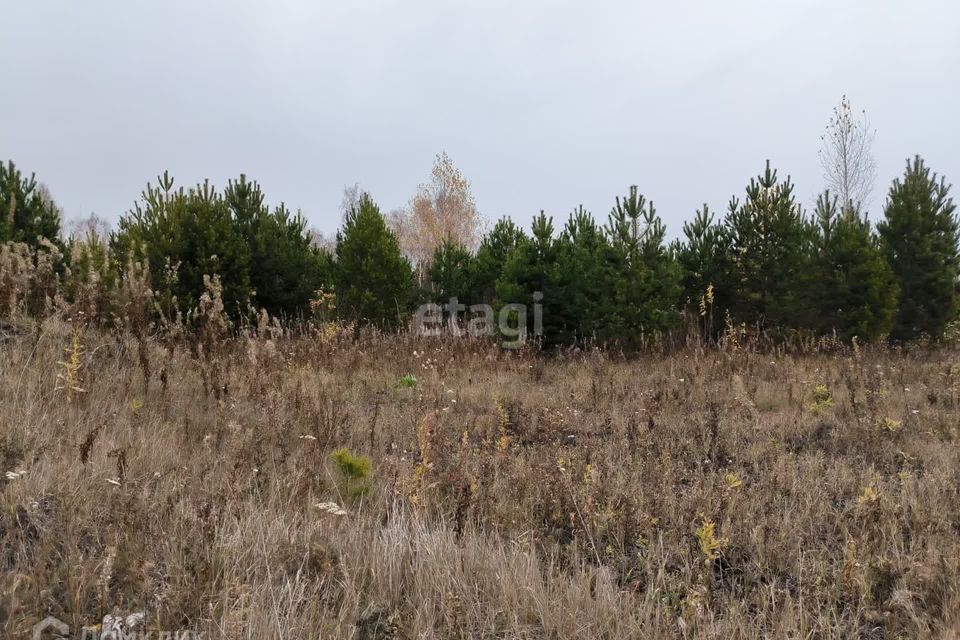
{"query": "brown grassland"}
{"type": "Point", "coordinates": [723, 493]}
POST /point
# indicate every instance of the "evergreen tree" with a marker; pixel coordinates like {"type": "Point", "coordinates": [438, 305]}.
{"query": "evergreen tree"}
{"type": "Point", "coordinates": [93, 276]}
{"type": "Point", "coordinates": [770, 240]}
{"type": "Point", "coordinates": [27, 214]}
{"type": "Point", "coordinates": [264, 258]}
{"type": "Point", "coordinates": [646, 287]}
{"type": "Point", "coordinates": [920, 235]}
{"type": "Point", "coordinates": [452, 273]}
{"type": "Point", "coordinates": [530, 271]}
{"type": "Point", "coordinates": [583, 283]}
{"type": "Point", "coordinates": [285, 268]}
{"type": "Point", "coordinates": [184, 236]}
{"type": "Point", "coordinates": [374, 281]}
{"type": "Point", "coordinates": [705, 258]}
{"type": "Point", "coordinates": [494, 251]}
{"type": "Point", "coordinates": [854, 289]}
{"type": "Point", "coordinates": [246, 203]}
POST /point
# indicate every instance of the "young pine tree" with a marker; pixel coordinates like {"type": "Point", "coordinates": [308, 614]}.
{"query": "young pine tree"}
{"type": "Point", "coordinates": [646, 286]}
{"type": "Point", "coordinates": [920, 235]}
{"type": "Point", "coordinates": [584, 282]}
{"type": "Point", "coordinates": [770, 243]}
{"type": "Point", "coordinates": [374, 281]}
{"type": "Point", "coordinates": [706, 264]}
{"type": "Point", "coordinates": [856, 294]}
{"type": "Point", "coordinates": [285, 268]}
{"type": "Point", "coordinates": [529, 270]}
{"type": "Point", "coordinates": [452, 273]}
{"type": "Point", "coordinates": [27, 213]}
{"type": "Point", "coordinates": [494, 251]}
{"type": "Point", "coordinates": [184, 236]}
{"type": "Point", "coordinates": [92, 277]}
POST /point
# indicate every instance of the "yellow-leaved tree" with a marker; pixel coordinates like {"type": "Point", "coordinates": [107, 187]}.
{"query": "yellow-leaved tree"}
{"type": "Point", "coordinates": [443, 209]}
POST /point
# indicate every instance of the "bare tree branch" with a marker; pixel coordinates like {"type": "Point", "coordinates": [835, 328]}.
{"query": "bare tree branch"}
{"type": "Point", "coordinates": [846, 154]}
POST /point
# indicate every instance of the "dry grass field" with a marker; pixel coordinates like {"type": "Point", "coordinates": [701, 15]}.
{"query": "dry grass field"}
{"type": "Point", "coordinates": [319, 487]}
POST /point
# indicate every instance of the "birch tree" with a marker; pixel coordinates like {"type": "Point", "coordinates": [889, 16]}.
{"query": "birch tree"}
{"type": "Point", "coordinates": [846, 154]}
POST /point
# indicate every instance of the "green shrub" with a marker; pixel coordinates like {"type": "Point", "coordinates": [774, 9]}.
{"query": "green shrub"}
{"type": "Point", "coordinates": [354, 467]}
{"type": "Point", "coordinates": [354, 472]}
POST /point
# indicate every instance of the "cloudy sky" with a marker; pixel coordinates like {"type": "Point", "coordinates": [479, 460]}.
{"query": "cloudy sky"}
{"type": "Point", "coordinates": [543, 105]}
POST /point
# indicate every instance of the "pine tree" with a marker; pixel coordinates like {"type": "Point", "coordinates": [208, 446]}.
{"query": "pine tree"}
{"type": "Point", "coordinates": [93, 276]}
{"type": "Point", "coordinates": [374, 281]}
{"type": "Point", "coordinates": [264, 258]}
{"type": "Point", "coordinates": [854, 289]}
{"type": "Point", "coordinates": [706, 264]}
{"type": "Point", "coordinates": [920, 236]}
{"type": "Point", "coordinates": [27, 214]}
{"type": "Point", "coordinates": [184, 236]}
{"type": "Point", "coordinates": [770, 240]}
{"type": "Point", "coordinates": [530, 271]}
{"type": "Point", "coordinates": [245, 200]}
{"type": "Point", "coordinates": [495, 249]}
{"type": "Point", "coordinates": [285, 268]}
{"type": "Point", "coordinates": [583, 284]}
{"type": "Point", "coordinates": [646, 288]}
{"type": "Point", "coordinates": [452, 274]}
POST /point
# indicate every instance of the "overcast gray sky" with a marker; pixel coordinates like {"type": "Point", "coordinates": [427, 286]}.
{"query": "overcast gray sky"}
{"type": "Point", "coordinates": [541, 104]}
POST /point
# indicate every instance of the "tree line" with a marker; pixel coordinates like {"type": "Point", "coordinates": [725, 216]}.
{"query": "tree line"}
{"type": "Point", "coordinates": [764, 263]}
